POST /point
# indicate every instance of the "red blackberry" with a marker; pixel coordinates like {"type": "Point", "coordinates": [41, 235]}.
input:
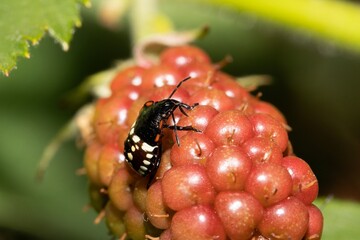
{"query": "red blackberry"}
{"type": "Point", "coordinates": [226, 169]}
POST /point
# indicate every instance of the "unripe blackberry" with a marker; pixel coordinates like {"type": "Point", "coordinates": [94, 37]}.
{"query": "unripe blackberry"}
{"type": "Point", "coordinates": [287, 219]}
{"type": "Point", "coordinates": [204, 159]}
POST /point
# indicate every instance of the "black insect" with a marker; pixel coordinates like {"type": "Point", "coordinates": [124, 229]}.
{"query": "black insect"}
{"type": "Point", "coordinates": [143, 145]}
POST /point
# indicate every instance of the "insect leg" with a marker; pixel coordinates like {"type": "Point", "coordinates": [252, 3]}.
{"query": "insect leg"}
{"type": "Point", "coordinates": [174, 127]}
{"type": "Point", "coordinates": [187, 107]}
{"type": "Point", "coordinates": [182, 128]}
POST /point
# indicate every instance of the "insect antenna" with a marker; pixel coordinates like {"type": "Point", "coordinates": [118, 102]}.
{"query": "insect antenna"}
{"type": "Point", "coordinates": [177, 86]}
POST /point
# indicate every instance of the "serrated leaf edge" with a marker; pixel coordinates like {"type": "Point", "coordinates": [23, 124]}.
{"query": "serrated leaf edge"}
{"type": "Point", "coordinates": [36, 39]}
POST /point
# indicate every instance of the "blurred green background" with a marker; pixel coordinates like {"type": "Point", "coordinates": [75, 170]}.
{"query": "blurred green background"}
{"type": "Point", "coordinates": [315, 84]}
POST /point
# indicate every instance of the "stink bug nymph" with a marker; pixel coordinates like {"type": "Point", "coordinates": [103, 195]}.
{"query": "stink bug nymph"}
{"type": "Point", "coordinates": [143, 146]}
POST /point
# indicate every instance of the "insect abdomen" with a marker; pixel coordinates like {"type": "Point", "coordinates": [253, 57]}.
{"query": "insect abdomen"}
{"type": "Point", "coordinates": [141, 151]}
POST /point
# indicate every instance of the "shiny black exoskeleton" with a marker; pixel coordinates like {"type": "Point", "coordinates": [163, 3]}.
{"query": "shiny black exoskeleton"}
{"type": "Point", "coordinates": [143, 146]}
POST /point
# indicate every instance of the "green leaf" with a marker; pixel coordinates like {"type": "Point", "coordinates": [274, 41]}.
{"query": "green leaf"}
{"type": "Point", "coordinates": [24, 21]}
{"type": "Point", "coordinates": [341, 219]}
{"type": "Point", "coordinates": [333, 21]}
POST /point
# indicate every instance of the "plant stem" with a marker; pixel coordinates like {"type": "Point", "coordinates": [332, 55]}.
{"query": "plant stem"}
{"type": "Point", "coordinates": [335, 21]}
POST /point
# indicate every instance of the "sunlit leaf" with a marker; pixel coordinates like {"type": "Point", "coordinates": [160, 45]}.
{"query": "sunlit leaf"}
{"type": "Point", "coordinates": [24, 22]}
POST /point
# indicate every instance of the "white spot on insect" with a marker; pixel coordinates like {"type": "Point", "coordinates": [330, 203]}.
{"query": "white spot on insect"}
{"type": "Point", "coordinates": [132, 131]}
{"type": "Point", "coordinates": [133, 148]}
{"type": "Point", "coordinates": [130, 156]}
{"type": "Point", "coordinates": [137, 147]}
{"type": "Point", "coordinates": [143, 168]}
{"type": "Point", "coordinates": [147, 148]}
{"type": "Point", "coordinates": [135, 138]}
{"type": "Point", "coordinates": [149, 155]}
{"type": "Point", "coordinates": [146, 162]}
{"type": "Point", "coordinates": [141, 172]}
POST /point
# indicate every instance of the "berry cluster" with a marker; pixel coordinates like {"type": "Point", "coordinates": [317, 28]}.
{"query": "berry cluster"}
{"type": "Point", "coordinates": [236, 178]}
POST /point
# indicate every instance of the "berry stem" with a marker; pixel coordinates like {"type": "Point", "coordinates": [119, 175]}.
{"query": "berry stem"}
{"type": "Point", "coordinates": [99, 217]}
{"type": "Point", "coordinates": [66, 133]}
{"type": "Point", "coordinates": [151, 238]}
{"type": "Point", "coordinates": [160, 215]}
{"type": "Point", "coordinates": [123, 237]}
